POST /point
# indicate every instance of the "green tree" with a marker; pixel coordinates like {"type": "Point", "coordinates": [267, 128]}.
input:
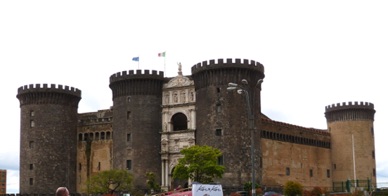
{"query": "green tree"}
{"type": "Point", "coordinates": [152, 185]}
{"type": "Point", "coordinates": [248, 186]}
{"type": "Point", "coordinates": [199, 164]}
{"type": "Point", "coordinates": [292, 188]}
{"type": "Point", "coordinates": [110, 181]}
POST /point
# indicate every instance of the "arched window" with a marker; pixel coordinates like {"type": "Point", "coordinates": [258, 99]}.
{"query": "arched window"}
{"type": "Point", "coordinates": [91, 137]}
{"type": "Point", "coordinates": [97, 136]}
{"type": "Point", "coordinates": [179, 121]}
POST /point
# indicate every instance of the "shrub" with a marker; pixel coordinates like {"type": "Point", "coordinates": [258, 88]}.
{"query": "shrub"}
{"type": "Point", "coordinates": [317, 191]}
{"type": "Point", "coordinates": [292, 188]}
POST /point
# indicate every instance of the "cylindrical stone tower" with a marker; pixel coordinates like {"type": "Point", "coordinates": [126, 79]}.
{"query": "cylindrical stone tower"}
{"type": "Point", "coordinates": [137, 123]}
{"type": "Point", "coordinates": [352, 141]}
{"type": "Point", "coordinates": [222, 116]}
{"type": "Point", "coordinates": [48, 138]}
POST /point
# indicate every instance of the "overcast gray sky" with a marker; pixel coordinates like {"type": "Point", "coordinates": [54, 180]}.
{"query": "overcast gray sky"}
{"type": "Point", "coordinates": [315, 53]}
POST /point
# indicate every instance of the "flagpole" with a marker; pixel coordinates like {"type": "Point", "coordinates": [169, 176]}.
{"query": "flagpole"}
{"type": "Point", "coordinates": [164, 64]}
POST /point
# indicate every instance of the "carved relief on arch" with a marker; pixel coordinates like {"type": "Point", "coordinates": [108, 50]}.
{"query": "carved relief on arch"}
{"type": "Point", "coordinates": [173, 163]}
{"type": "Point", "coordinates": [183, 96]}
{"type": "Point", "coordinates": [166, 98]}
{"type": "Point", "coordinates": [175, 97]}
{"type": "Point", "coordinates": [191, 96]}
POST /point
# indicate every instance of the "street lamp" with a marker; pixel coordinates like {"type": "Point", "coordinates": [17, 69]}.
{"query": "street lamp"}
{"type": "Point", "coordinates": [245, 91]}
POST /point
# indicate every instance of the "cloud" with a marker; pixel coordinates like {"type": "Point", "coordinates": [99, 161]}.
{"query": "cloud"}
{"type": "Point", "coordinates": [12, 181]}
{"type": "Point", "coordinates": [9, 159]}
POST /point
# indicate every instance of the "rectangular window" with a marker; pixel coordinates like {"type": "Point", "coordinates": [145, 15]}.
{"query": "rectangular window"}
{"type": "Point", "coordinates": [79, 166]}
{"type": "Point", "coordinates": [218, 132]}
{"type": "Point", "coordinates": [374, 172]}
{"type": "Point", "coordinates": [32, 123]}
{"type": "Point", "coordinates": [129, 164]}
{"type": "Point", "coordinates": [288, 172]}
{"type": "Point", "coordinates": [220, 160]}
{"type": "Point", "coordinates": [218, 108]}
{"type": "Point", "coordinates": [261, 162]}
{"type": "Point", "coordinates": [311, 173]}
{"type": "Point", "coordinates": [128, 137]}
{"type": "Point", "coordinates": [128, 114]}
{"type": "Point", "coordinates": [31, 144]}
{"type": "Point", "coordinates": [99, 166]}
{"type": "Point", "coordinates": [373, 154]}
{"type": "Point", "coordinates": [328, 173]}
{"type": "Point", "coordinates": [334, 166]}
{"type": "Point", "coordinates": [31, 181]}
{"type": "Point", "coordinates": [32, 113]}
{"type": "Point", "coordinates": [31, 166]}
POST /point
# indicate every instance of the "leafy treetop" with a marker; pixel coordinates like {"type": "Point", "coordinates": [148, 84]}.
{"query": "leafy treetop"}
{"type": "Point", "coordinates": [199, 164]}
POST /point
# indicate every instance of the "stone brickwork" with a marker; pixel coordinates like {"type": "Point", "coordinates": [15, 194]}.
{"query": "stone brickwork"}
{"type": "Point", "coordinates": [222, 115]}
{"type": "Point", "coordinates": [137, 123]}
{"type": "Point", "coordinates": [95, 145]}
{"type": "Point", "coordinates": [3, 181]}
{"type": "Point", "coordinates": [153, 118]}
{"type": "Point", "coordinates": [352, 140]}
{"type": "Point", "coordinates": [292, 152]}
{"type": "Point", "coordinates": [48, 144]}
{"type": "Point", "coordinates": [178, 116]}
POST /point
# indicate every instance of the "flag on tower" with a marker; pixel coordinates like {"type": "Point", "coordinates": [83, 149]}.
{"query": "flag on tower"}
{"type": "Point", "coordinates": [162, 54]}
{"type": "Point", "coordinates": [135, 59]}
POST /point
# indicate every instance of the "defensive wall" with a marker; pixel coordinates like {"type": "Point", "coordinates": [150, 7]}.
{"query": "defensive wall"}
{"type": "Point", "coordinates": [349, 111]}
{"type": "Point", "coordinates": [315, 157]}
{"type": "Point", "coordinates": [45, 94]}
{"type": "Point", "coordinates": [48, 123]}
{"type": "Point", "coordinates": [95, 145]}
{"type": "Point", "coordinates": [221, 117]}
{"type": "Point", "coordinates": [352, 140]}
{"type": "Point", "coordinates": [222, 72]}
{"type": "Point", "coordinates": [293, 152]}
{"type": "Point", "coordinates": [137, 114]}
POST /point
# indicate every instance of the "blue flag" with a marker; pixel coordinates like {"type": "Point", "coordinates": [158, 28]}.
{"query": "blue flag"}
{"type": "Point", "coordinates": [135, 59]}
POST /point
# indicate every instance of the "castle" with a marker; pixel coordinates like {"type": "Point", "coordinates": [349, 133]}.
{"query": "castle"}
{"type": "Point", "coordinates": [154, 117]}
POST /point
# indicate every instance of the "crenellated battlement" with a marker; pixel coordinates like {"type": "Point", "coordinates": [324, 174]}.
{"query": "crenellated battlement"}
{"type": "Point", "coordinates": [349, 105]}
{"type": "Point", "coordinates": [31, 88]}
{"type": "Point", "coordinates": [350, 111]}
{"type": "Point", "coordinates": [136, 82]}
{"type": "Point", "coordinates": [136, 74]}
{"type": "Point", "coordinates": [225, 63]}
{"type": "Point", "coordinates": [48, 94]}
{"type": "Point", "coordinates": [224, 71]}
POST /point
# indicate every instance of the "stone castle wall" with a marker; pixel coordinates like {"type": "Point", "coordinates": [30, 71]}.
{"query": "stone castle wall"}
{"type": "Point", "coordinates": [352, 138]}
{"type": "Point", "coordinates": [95, 145]}
{"type": "Point", "coordinates": [137, 114]}
{"type": "Point", "coordinates": [222, 115]}
{"type": "Point", "coordinates": [137, 132]}
{"type": "Point", "coordinates": [48, 137]}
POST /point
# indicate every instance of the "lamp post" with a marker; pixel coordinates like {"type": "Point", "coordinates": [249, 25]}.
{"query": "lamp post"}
{"type": "Point", "coordinates": [245, 91]}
